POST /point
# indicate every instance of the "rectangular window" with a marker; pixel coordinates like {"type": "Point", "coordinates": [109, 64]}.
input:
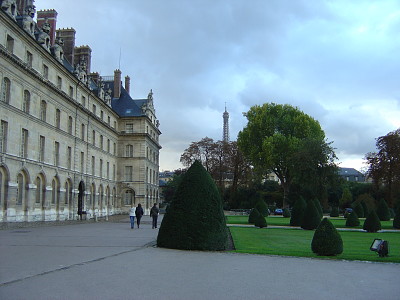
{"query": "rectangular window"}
{"type": "Point", "coordinates": [113, 172]}
{"type": "Point", "coordinates": [43, 110]}
{"type": "Point", "coordinates": [27, 101]}
{"type": "Point", "coordinates": [69, 157]}
{"type": "Point", "coordinates": [108, 121]}
{"type": "Point", "coordinates": [101, 115]}
{"type": "Point", "coordinates": [115, 124]}
{"type": "Point", "coordinates": [71, 91]}
{"type": "Point", "coordinates": [108, 145]}
{"type": "Point", "coordinates": [58, 118]}
{"type": "Point", "coordinates": [42, 145]}
{"type": "Point", "coordinates": [84, 101]}
{"type": "Point", "coordinates": [56, 153]}
{"type": "Point", "coordinates": [10, 44]}
{"type": "Point", "coordinates": [24, 143]}
{"type": "Point", "coordinates": [45, 71]}
{"type": "Point", "coordinates": [29, 59]}
{"type": "Point", "coordinates": [70, 125]}
{"type": "Point", "coordinates": [93, 165]}
{"type": "Point", "coordinates": [115, 149]}
{"type": "Point", "coordinates": [128, 173]}
{"type": "Point", "coordinates": [94, 138]}
{"type": "Point", "coordinates": [101, 168]}
{"type": "Point", "coordinates": [82, 162]}
{"type": "Point", "coordinates": [94, 109]}
{"type": "Point", "coordinates": [108, 170]}
{"type": "Point", "coordinates": [129, 151]}
{"type": "Point", "coordinates": [101, 142]}
{"type": "Point", "coordinates": [83, 132]}
{"type": "Point", "coordinates": [129, 128]}
{"type": "Point", "coordinates": [3, 136]}
{"type": "Point", "coordinates": [59, 82]}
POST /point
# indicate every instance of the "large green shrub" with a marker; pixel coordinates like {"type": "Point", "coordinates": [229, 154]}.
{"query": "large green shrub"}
{"type": "Point", "coordinates": [194, 219]}
{"type": "Point", "coordinates": [396, 220]}
{"type": "Point", "coordinates": [334, 211]}
{"type": "Point", "coordinates": [372, 222]}
{"type": "Point", "coordinates": [358, 209]}
{"type": "Point", "coordinates": [352, 220]}
{"type": "Point", "coordinates": [318, 207]}
{"type": "Point", "coordinates": [365, 208]}
{"type": "Point", "coordinates": [254, 213]}
{"type": "Point", "coordinates": [327, 240]}
{"type": "Point", "coordinates": [298, 212]}
{"type": "Point", "coordinates": [262, 208]}
{"type": "Point", "coordinates": [311, 218]}
{"type": "Point", "coordinates": [260, 221]}
{"type": "Point", "coordinates": [383, 211]}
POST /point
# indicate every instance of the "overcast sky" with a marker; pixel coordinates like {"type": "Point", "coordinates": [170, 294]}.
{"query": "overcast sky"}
{"type": "Point", "coordinates": [338, 61]}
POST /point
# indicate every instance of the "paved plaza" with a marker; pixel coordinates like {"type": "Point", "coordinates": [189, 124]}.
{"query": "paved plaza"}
{"type": "Point", "coordinates": [108, 260]}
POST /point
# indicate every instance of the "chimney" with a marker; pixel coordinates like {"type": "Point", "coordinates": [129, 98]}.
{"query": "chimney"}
{"type": "Point", "coordinates": [127, 83]}
{"type": "Point", "coordinates": [68, 36]}
{"type": "Point", "coordinates": [51, 16]}
{"type": "Point", "coordinates": [83, 53]}
{"type": "Point", "coordinates": [117, 83]}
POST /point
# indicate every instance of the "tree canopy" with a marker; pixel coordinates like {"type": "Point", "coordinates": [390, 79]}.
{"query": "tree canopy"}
{"type": "Point", "coordinates": [284, 140]}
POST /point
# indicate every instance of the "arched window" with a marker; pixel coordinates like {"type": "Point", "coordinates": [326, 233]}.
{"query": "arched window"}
{"type": "Point", "coordinates": [129, 197]}
{"type": "Point", "coordinates": [54, 192]}
{"type": "Point", "coordinates": [43, 110]}
{"type": "Point", "coordinates": [27, 101]}
{"type": "Point", "coordinates": [6, 90]}
{"type": "Point", "coordinates": [20, 188]}
{"type": "Point", "coordinates": [129, 151]}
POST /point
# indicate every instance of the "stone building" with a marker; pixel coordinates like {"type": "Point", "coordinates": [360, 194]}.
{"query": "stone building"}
{"type": "Point", "coordinates": [72, 142]}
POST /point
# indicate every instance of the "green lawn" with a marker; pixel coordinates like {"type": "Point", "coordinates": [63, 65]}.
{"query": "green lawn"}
{"type": "Point", "coordinates": [280, 221]}
{"type": "Point", "coordinates": [295, 242]}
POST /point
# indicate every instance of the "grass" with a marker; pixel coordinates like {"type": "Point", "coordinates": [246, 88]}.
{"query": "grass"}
{"type": "Point", "coordinates": [280, 221]}
{"type": "Point", "coordinates": [295, 242]}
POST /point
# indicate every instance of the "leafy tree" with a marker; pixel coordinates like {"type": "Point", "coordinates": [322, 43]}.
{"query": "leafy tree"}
{"type": "Point", "coordinates": [384, 165]}
{"type": "Point", "coordinates": [372, 222]}
{"type": "Point", "coordinates": [262, 208]}
{"type": "Point", "coordinates": [311, 218]}
{"type": "Point", "coordinates": [276, 136]}
{"type": "Point", "coordinates": [346, 199]}
{"type": "Point", "coordinates": [334, 212]}
{"type": "Point", "coordinates": [352, 220]}
{"type": "Point", "coordinates": [358, 209]}
{"type": "Point", "coordinates": [254, 213]}
{"type": "Point", "coordinates": [326, 240]}
{"type": "Point", "coordinates": [383, 211]}
{"type": "Point", "coordinates": [298, 212]}
{"type": "Point", "coordinates": [260, 221]}
{"type": "Point", "coordinates": [170, 188]}
{"type": "Point", "coordinates": [195, 219]}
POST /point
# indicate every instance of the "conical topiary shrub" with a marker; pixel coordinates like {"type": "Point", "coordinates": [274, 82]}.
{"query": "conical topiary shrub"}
{"type": "Point", "coordinates": [194, 219]}
{"type": "Point", "coordinates": [318, 207]}
{"type": "Point", "coordinates": [365, 208]}
{"type": "Point", "coordinates": [396, 220]}
{"type": "Point", "coordinates": [334, 211]}
{"type": "Point", "coordinates": [383, 211]}
{"type": "Point", "coordinates": [311, 218]}
{"type": "Point", "coordinates": [254, 213]}
{"type": "Point", "coordinates": [327, 240]}
{"type": "Point", "coordinates": [359, 210]}
{"type": "Point", "coordinates": [260, 221]}
{"type": "Point", "coordinates": [372, 222]}
{"type": "Point", "coordinates": [298, 212]}
{"type": "Point", "coordinates": [286, 213]}
{"type": "Point", "coordinates": [352, 220]}
{"type": "Point", "coordinates": [262, 208]}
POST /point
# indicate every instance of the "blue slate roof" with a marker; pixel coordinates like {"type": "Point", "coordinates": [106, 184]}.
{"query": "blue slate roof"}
{"type": "Point", "coordinates": [349, 172]}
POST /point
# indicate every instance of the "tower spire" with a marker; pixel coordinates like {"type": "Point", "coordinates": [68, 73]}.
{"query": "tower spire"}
{"type": "Point", "coordinates": [225, 136]}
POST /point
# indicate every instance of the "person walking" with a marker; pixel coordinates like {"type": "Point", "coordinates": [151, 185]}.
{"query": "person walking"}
{"type": "Point", "coordinates": [154, 214]}
{"type": "Point", "coordinates": [132, 216]}
{"type": "Point", "coordinates": [139, 214]}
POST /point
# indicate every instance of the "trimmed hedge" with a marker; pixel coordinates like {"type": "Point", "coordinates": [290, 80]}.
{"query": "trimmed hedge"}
{"type": "Point", "coordinates": [358, 209]}
{"type": "Point", "coordinates": [326, 240]}
{"type": "Point", "coordinates": [298, 212]}
{"type": "Point", "coordinates": [365, 208]}
{"type": "Point", "coordinates": [334, 212]}
{"type": "Point", "coordinates": [311, 218]}
{"type": "Point", "coordinates": [254, 213]}
{"type": "Point", "coordinates": [352, 220]}
{"type": "Point", "coordinates": [262, 208]}
{"type": "Point", "coordinates": [195, 219]}
{"type": "Point", "coordinates": [383, 211]}
{"type": "Point", "coordinates": [372, 222]}
{"type": "Point", "coordinates": [260, 221]}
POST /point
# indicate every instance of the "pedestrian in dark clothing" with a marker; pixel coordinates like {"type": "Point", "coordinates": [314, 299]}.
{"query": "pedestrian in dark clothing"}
{"type": "Point", "coordinates": [139, 214]}
{"type": "Point", "coordinates": [154, 214]}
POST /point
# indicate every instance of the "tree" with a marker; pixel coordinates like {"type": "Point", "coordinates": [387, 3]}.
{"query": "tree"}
{"type": "Point", "coordinates": [384, 165]}
{"type": "Point", "coordinates": [298, 212]}
{"type": "Point", "coordinates": [372, 222]}
{"type": "Point", "coordinates": [326, 240]}
{"type": "Point", "coordinates": [311, 218]}
{"type": "Point", "coordinates": [170, 188]}
{"type": "Point", "coordinates": [346, 199]}
{"type": "Point", "coordinates": [383, 211]}
{"type": "Point", "coordinates": [352, 220]}
{"type": "Point", "coordinates": [276, 136]}
{"type": "Point", "coordinates": [195, 219]}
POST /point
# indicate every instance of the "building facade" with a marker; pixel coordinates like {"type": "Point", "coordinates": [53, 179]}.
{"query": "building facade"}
{"type": "Point", "coordinates": [72, 142]}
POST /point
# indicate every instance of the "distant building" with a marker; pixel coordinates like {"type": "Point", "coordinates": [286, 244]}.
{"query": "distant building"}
{"type": "Point", "coordinates": [225, 134]}
{"type": "Point", "coordinates": [72, 142]}
{"type": "Point", "coordinates": [350, 174]}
